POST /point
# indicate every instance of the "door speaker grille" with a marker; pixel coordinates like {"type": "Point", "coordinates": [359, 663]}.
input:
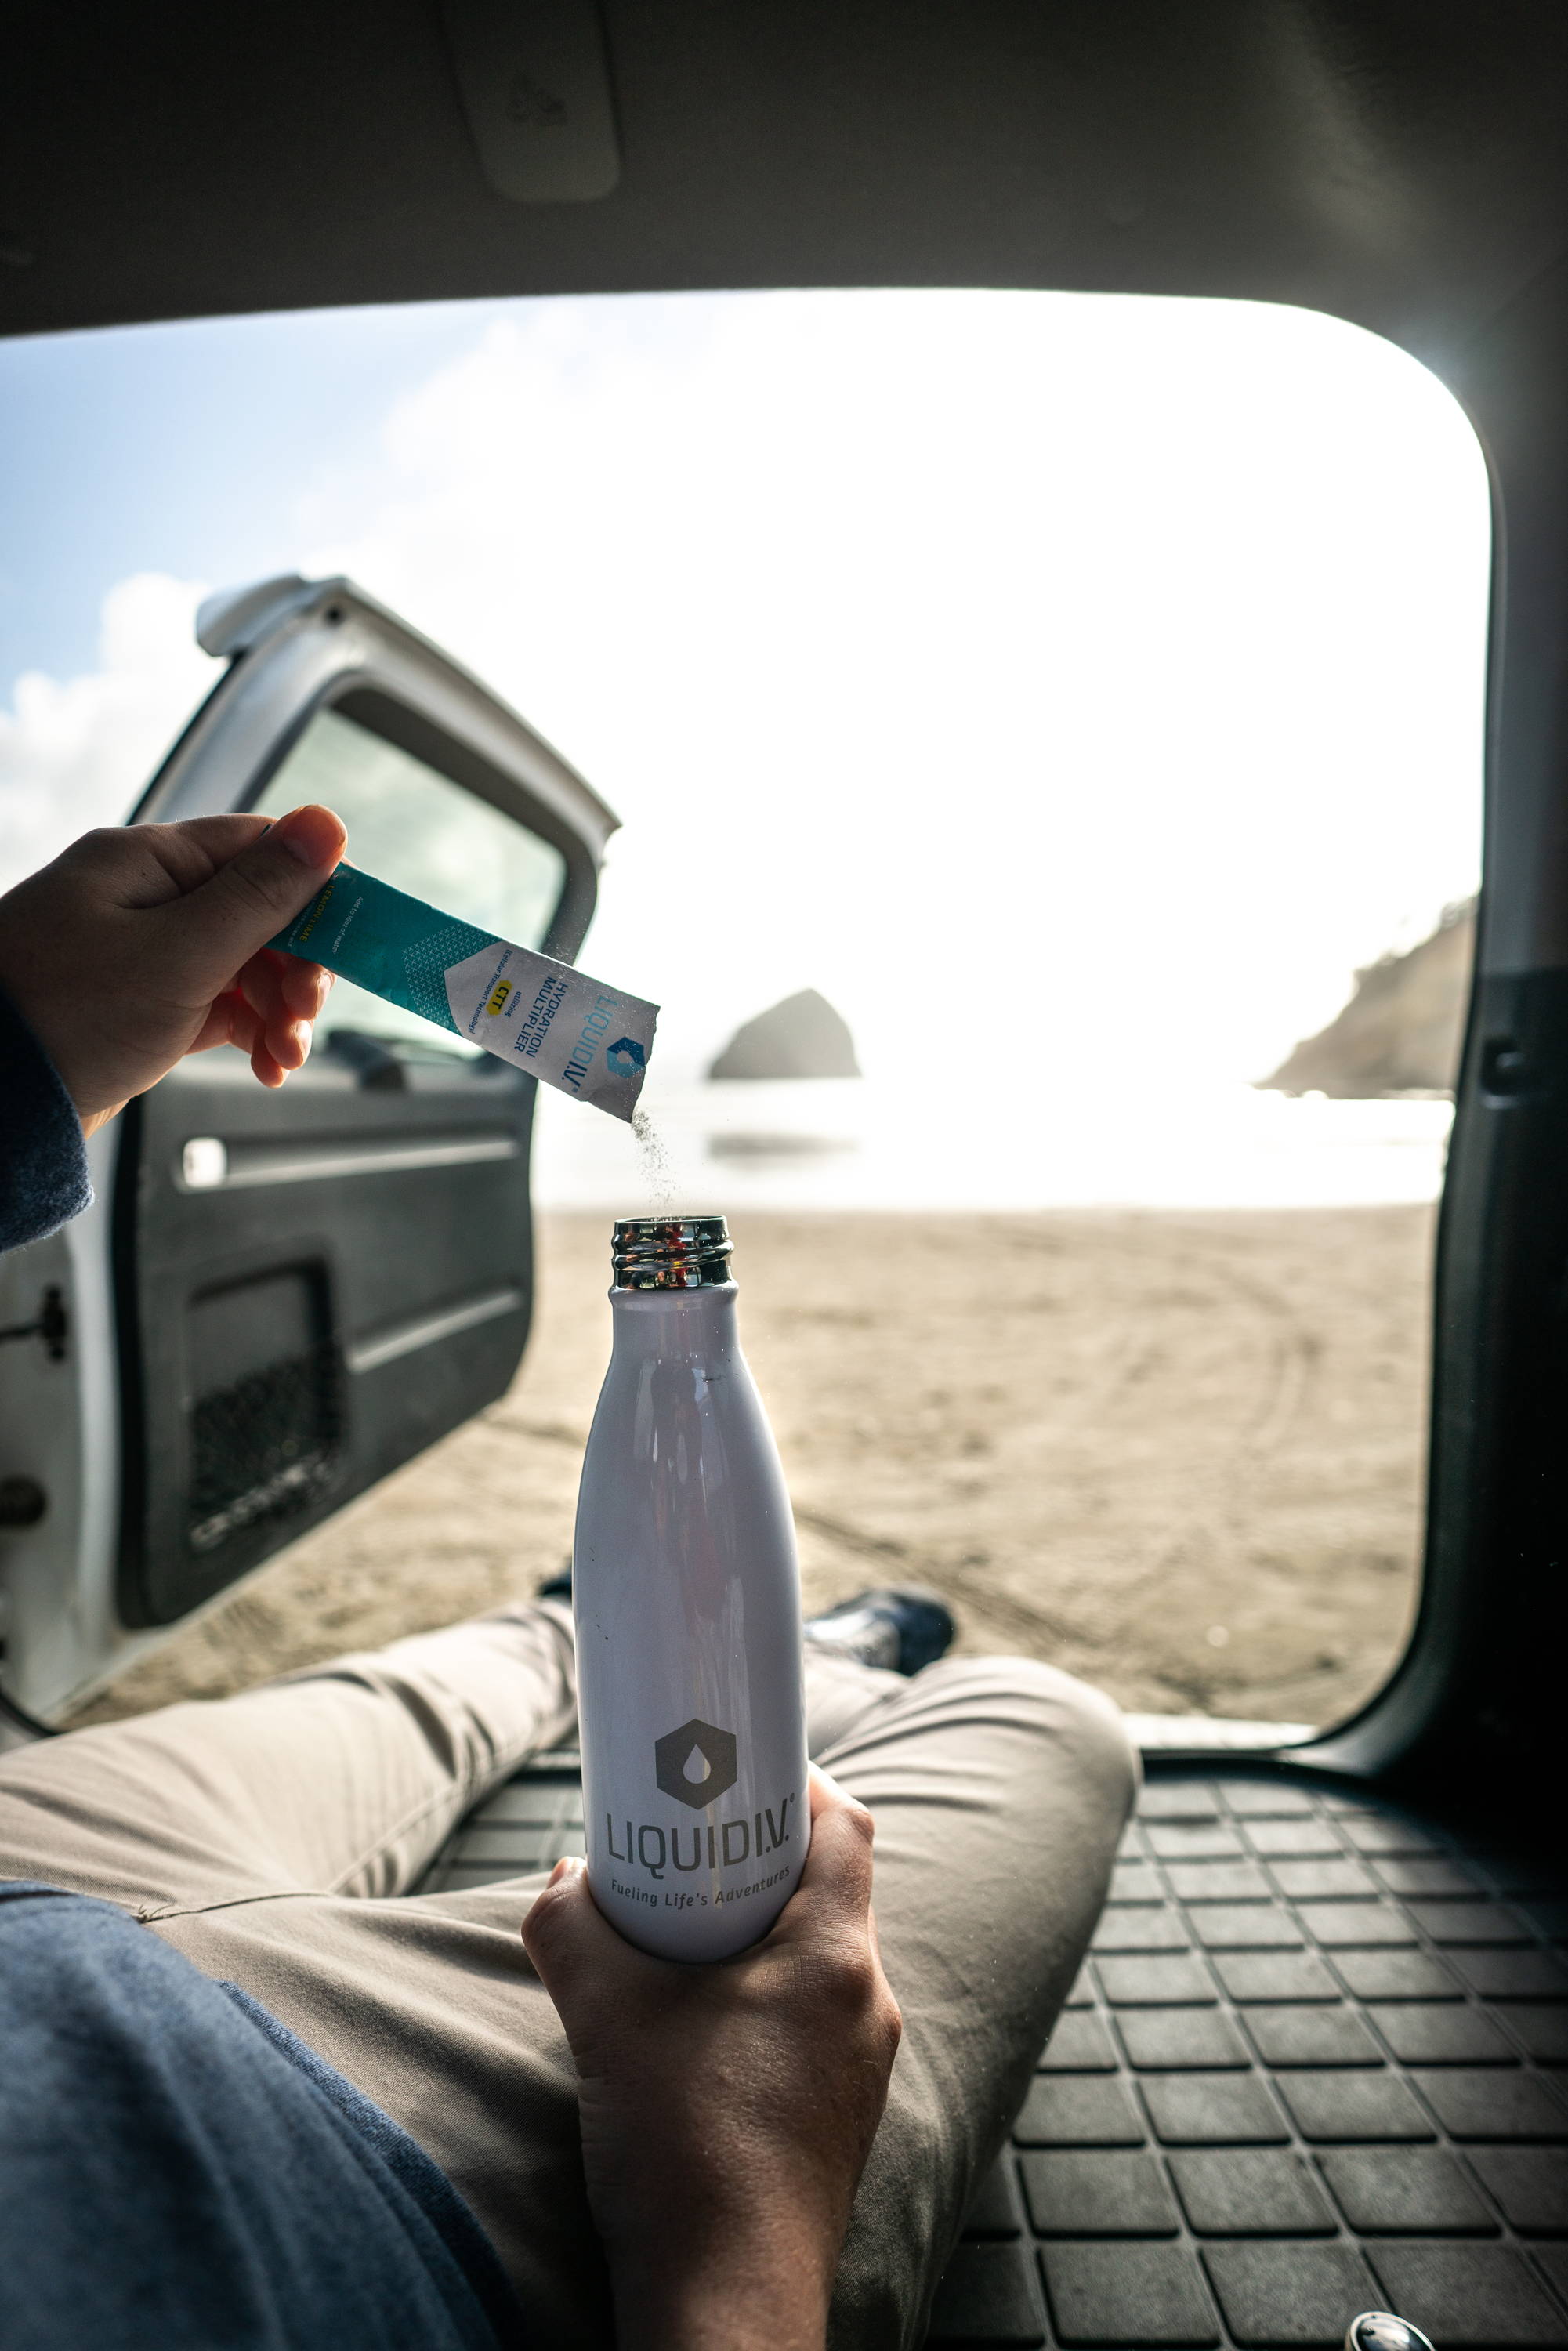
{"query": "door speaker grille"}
{"type": "Point", "coordinates": [265, 1446]}
{"type": "Point", "coordinates": [266, 1420]}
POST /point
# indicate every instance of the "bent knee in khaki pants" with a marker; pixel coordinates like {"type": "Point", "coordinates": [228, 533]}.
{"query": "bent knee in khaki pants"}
{"type": "Point", "coordinates": [274, 1837]}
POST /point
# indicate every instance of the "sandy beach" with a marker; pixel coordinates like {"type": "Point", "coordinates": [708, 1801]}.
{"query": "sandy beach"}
{"type": "Point", "coordinates": [1180, 1454]}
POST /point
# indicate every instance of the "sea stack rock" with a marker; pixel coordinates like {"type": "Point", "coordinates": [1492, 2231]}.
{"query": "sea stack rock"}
{"type": "Point", "coordinates": [1400, 1033]}
{"type": "Point", "coordinates": [802, 1037]}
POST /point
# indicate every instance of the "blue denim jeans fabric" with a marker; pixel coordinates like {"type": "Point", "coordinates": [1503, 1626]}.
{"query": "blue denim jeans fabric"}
{"type": "Point", "coordinates": [181, 2174]}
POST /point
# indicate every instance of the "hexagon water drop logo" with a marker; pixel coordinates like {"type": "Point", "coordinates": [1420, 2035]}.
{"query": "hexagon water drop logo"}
{"type": "Point", "coordinates": [696, 1764]}
{"type": "Point", "coordinates": [625, 1056]}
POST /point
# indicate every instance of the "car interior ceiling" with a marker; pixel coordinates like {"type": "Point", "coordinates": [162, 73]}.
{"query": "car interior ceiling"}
{"type": "Point", "coordinates": [1399, 164]}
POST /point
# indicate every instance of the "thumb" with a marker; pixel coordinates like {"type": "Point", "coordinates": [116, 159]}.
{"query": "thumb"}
{"type": "Point", "coordinates": [569, 1940]}
{"type": "Point", "coordinates": [215, 929]}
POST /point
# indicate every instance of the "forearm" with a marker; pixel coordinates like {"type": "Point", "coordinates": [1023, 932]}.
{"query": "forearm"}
{"type": "Point", "coordinates": [744, 2300]}
{"type": "Point", "coordinates": [741, 2257]}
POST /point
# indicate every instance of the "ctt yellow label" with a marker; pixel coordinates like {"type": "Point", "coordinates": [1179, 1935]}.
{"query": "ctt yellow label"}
{"type": "Point", "coordinates": [498, 995]}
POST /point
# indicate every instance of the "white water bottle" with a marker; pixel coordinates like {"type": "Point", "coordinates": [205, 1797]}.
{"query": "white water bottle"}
{"type": "Point", "coordinates": [687, 1597]}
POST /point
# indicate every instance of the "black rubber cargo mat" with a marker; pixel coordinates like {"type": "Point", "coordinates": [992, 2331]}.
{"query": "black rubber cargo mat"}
{"type": "Point", "coordinates": [1317, 2062]}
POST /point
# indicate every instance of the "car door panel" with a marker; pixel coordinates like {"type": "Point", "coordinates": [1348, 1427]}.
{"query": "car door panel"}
{"type": "Point", "coordinates": [306, 1287]}
{"type": "Point", "coordinates": [342, 1293]}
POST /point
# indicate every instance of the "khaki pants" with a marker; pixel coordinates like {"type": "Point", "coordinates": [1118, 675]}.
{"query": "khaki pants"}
{"type": "Point", "coordinates": [271, 1838]}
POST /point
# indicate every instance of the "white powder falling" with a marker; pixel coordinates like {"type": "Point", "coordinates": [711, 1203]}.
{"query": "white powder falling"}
{"type": "Point", "coordinates": [658, 1175]}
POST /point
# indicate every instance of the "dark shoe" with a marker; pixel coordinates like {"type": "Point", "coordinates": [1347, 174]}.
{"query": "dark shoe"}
{"type": "Point", "coordinates": [556, 1587]}
{"type": "Point", "coordinates": [900, 1626]}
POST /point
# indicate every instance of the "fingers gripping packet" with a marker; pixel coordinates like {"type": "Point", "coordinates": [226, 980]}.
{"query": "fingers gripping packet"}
{"type": "Point", "coordinates": [541, 1015]}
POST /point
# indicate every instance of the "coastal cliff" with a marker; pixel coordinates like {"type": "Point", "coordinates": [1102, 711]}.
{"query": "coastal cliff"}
{"type": "Point", "coordinates": [1400, 1031]}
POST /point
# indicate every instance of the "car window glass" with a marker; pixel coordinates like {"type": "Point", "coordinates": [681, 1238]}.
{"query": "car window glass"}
{"type": "Point", "coordinates": [412, 826]}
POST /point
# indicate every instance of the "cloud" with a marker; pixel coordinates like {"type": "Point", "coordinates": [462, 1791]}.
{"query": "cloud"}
{"type": "Point", "coordinates": [76, 752]}
{"type": "Point", "coordinates": [1113, 665]}
{"type": "Point", "coordinates": [952, 652]}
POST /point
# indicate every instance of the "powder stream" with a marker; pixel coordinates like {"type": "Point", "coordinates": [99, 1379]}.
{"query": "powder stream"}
{"type": "Point", "coordinates": [658, 1173]}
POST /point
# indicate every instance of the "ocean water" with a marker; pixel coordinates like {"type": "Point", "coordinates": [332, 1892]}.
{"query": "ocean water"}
{"type": "Point", "coordinates": [867, 1143]}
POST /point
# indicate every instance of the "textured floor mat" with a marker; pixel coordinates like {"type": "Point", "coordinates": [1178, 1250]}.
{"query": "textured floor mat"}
{"type": "Point", "coordinates": [1317, 2062]}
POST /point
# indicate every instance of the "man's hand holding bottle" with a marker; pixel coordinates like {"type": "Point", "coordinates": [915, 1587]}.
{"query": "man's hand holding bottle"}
{"type": "Point", "coordinates": [727, 2110]}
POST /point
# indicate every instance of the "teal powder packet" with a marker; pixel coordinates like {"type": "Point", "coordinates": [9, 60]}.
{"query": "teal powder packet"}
{"type": "Point", "coordinates": [542, 1015]}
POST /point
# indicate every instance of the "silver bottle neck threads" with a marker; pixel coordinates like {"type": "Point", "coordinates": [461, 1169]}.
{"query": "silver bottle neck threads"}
{"type": "Point", "coordinates": [670, 1252]}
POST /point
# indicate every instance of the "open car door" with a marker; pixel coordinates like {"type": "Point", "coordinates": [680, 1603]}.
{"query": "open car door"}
{"type": "Point", "coordinates": [278, 1298]}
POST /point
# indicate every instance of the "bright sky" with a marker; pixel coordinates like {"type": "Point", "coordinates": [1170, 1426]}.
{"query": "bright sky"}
{"type": "Point", "coordinates": [1104, 674]}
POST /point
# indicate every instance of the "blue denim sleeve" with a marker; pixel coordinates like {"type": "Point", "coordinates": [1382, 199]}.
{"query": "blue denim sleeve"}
{"type": "Point", "coordinates": [43, 1163]}
{"type": "Point", "coordinates": [180, 2172]}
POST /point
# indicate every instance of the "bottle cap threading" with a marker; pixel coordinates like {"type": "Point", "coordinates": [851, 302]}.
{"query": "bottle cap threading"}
{"type": "Point", "coordinates": [670, 1252]}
